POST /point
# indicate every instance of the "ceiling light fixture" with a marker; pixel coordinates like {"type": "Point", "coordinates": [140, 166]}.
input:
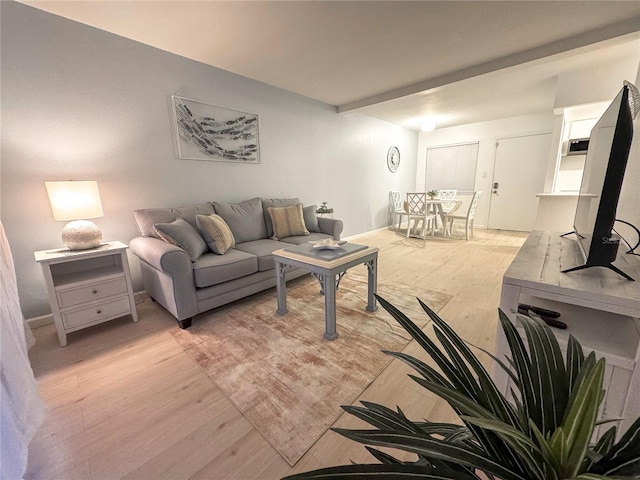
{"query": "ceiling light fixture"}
{"type": "Point", "coordinates": [428, 126]}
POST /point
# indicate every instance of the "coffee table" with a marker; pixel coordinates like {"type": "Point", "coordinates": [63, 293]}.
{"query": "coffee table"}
{"type": "Point", "coordinates": [328, 266]}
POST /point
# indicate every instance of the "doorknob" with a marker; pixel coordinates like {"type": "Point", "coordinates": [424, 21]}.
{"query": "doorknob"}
{"type": "Point", "coordinates": [495, 187]}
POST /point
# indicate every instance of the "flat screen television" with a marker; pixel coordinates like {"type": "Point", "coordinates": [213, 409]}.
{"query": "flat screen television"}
{"type": "Point", "coordinates": [605, 164]}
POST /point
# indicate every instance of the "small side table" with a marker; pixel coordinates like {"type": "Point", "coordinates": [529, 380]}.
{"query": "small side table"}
{"type": "Point", "coordinates": [87, 287]}
{"type": "Point", "coordinates": [324, 211]}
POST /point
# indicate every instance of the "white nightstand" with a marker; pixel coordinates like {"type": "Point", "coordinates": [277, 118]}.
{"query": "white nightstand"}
{"type": "Point", "coordinates": [87, 287]}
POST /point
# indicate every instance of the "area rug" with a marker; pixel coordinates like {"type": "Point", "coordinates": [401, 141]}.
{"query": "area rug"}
{"type": "Point", "coordinates": [281, 373]}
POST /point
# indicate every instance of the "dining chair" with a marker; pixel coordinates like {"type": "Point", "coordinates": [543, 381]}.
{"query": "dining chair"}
{"type": "Point", "coordinates": [396, 210]}
{"type": "Point", "coordinates": [416, 211]}
{"type": "Point", "coordinates": [447, 195]}
{"type": "Point", "coordinates": [465, 216]}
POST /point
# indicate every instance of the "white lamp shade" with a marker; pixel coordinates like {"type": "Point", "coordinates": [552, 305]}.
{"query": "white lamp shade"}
{"type": "Point", "coordinates": [74, 200]}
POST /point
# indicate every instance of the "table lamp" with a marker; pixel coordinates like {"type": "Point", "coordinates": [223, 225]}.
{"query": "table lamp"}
{"type": "Point", "coordinates": [76, 201]}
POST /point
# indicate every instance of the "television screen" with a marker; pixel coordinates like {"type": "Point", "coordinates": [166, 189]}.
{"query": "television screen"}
{"type": "Point", "coordinates": [604, 168]}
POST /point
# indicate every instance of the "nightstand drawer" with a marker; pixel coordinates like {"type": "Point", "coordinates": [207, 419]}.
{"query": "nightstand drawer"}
{"type": "Point", "coordinates": [96, 291]}
{"type": "Point", "coordinates": [95, 313]}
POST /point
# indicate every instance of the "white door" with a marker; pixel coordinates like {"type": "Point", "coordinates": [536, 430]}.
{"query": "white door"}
{"type": "Point", "coordinates": [518, 175]}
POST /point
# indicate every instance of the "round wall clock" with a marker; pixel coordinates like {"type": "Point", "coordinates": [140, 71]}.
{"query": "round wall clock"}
{"type": "Point", "coordinates": [393, 159]}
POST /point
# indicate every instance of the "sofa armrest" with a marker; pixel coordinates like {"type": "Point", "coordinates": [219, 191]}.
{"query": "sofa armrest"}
{"type": "Point", "coordinates": [167, 275]}
{"type": "Point", "coordinates": [331, 226]}
{"type": "Point", "coordinates": [161, 255]}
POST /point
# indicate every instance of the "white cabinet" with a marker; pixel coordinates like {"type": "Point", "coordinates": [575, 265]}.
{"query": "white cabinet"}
{"type": "Point", "coordinates": [87, 287]}
{"type": "Point", "coordinates": [600, 307]}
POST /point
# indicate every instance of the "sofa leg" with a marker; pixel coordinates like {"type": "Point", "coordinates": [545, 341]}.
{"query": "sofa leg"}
{"type": "Point", "coordinates": [186, 323]}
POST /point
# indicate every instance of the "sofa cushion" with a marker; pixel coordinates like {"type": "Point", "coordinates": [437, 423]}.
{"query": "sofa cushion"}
{"type": "Point", "coordinates": [181, 234]}
{"type": "Point", "coordinates": [275, 202]}
{"type": "Point", "coordinates": [211, 269]}
{"type": "Point", "coordinates": [287, 221]}
{"type": "Point", "coordinates": [311, 218]}
{"type": "Point", "coordinates": [300, 239]}
{"type": "Point", "coordinates": [245, 219]}
{"type": "Point", "coordinates": [263, 250]}
{"type": "Point", "coordinates": [215, 232]}
{"type": "Point", "coordinates": [146, 218]}
{"type": "Point", "coordinates": [189, 212]}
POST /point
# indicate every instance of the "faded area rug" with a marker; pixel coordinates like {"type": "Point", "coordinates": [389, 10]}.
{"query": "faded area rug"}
{"type": "Point", "coordinates": [281, 373]}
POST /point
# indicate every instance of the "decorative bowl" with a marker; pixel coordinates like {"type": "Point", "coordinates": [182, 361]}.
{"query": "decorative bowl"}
{"type": "Point", "coordinates": [327, 244]}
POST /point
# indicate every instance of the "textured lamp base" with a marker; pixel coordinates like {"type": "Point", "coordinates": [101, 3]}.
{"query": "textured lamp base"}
{"type": "Point", "coordinates": [81, 235]}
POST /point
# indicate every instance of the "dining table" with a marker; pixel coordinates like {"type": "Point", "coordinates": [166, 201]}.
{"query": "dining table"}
{"type": "Point", "coordinates": [435, 206]}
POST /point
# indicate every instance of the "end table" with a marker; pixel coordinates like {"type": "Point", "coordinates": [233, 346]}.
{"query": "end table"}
{"type": "Point", "coordinates": [87, 287]}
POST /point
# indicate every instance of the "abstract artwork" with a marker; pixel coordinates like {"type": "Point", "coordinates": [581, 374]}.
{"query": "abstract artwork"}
{"type": "Point", "coordinates": [208, 132]}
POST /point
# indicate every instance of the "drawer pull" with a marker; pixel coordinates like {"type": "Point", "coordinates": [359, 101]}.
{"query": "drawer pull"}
{"type": "Point", "coordinates": [99, 311]}
{"type": "Point", "coordinates": [94, 291]}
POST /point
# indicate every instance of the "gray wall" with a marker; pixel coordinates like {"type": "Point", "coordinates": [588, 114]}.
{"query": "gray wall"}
{"type": "Point", "coordinates": [82, 104]}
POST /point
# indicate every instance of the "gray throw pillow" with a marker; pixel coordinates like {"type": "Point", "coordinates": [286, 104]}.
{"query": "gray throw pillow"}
{"type": "Point", "coordinates": [245, 219]}
{"type": "Point", "coordinates": [181, 234]}
{"type": "Point", "coordinates": [311, 218]}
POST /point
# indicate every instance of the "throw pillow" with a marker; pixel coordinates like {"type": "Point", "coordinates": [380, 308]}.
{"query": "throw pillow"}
{"type": "Point", "coordinates": [216, 233]}
{"type": "Point", "coordinates": [181, 234]}
{"type": "Point", "coordinates": [287, 221]}
{"type": "Point", "coordinates": [267, 203]}
{"type": "Point", "coordinates": [311, 218]}
{"type": "Point", "coordinates": [245, 219]}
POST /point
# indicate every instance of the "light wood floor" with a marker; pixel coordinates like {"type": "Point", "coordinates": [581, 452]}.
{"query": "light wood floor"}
{"type": "Point", "coordinates": [125, 401]}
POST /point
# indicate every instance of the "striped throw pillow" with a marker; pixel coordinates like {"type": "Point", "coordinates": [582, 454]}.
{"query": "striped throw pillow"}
{"type": "Point", "coordinates": [216, 233]}
{"type": "Point", "coordinates": [287, 221]}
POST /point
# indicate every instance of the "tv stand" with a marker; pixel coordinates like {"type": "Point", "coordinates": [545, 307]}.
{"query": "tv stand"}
{"type": "Point", "coordinates": [600, 308]}
{"type": "Point", "coordinates": [610, 266]}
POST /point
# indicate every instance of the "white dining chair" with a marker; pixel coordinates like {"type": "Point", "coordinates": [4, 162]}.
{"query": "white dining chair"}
{"type": "Point", "coordinates": [416, 208]}
{"type": "Point", "coordinates": [463, 216]}
{"type": "Point", "coordinates": [396, 210]}
{"type": "Point", "coordinates": [447, 195]}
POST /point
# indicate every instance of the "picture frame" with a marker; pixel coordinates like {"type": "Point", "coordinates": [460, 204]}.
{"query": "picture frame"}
{"type": "Point", "coordinates": [214, 133]}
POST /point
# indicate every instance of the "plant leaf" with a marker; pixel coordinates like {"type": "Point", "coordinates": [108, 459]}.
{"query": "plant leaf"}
{"type": "Point", "coordinates": [528, 450]}
{"type": "Point", "coordinates": [431, 448]}
{"type": "Point", "coordinates": [377, 471]}
{"type": "Point", "coordinates": [547, 372]}
{"type": "Point", "coordinates": [488, 392]}
{"type": "Point", "coordinates": [381, 417]}
{"type": "Point", "coordinates": [580, 419]}
{"type": "Point", "coordinates": [623, 458]}
{"type": "Point", "coordinates": [383, 457]}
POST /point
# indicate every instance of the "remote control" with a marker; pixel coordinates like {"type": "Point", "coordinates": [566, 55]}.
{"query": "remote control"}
{"type": "Point", "coordinates": [552, 322]}
{"type": "Point", "coordinates": [537, 310]}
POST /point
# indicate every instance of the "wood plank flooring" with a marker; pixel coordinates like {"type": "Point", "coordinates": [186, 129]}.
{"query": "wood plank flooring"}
{"type": "Point", "coordinates": [124, 400]}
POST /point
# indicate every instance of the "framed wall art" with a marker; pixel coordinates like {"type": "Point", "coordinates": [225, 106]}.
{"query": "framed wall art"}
{"type": "Point", "coordinates": [209, 132]}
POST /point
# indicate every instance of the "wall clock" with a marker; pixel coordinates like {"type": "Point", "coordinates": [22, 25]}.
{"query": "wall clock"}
{"type": "Point", "coordinates": [393, 158]}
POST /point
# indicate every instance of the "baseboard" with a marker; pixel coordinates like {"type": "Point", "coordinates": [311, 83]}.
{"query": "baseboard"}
{"type": "Point", "coordinates": [363, 234]}
{"type": "Point", "coordinates": [44, 320]}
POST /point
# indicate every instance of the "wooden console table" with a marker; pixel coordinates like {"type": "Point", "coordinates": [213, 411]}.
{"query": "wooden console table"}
{"type": "Point", "coordinates": [601, 310]}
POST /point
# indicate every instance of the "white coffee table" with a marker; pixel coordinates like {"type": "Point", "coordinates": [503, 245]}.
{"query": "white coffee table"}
{"type": "Point", "coordinates": [328, 266]}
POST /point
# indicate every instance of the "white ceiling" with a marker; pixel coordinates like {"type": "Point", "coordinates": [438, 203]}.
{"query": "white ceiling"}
{"type": "Point", "coordinates": [461, 62]}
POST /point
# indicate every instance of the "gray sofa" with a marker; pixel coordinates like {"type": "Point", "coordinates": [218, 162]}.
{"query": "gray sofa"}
{"type": "Point", "coordinates": [187, 282]}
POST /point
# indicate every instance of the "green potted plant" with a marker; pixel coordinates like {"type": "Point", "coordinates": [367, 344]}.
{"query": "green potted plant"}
{"type": "Point", "coordinates": [544, 435]}
{"type": "Point", "coordinates": [432, 194]}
